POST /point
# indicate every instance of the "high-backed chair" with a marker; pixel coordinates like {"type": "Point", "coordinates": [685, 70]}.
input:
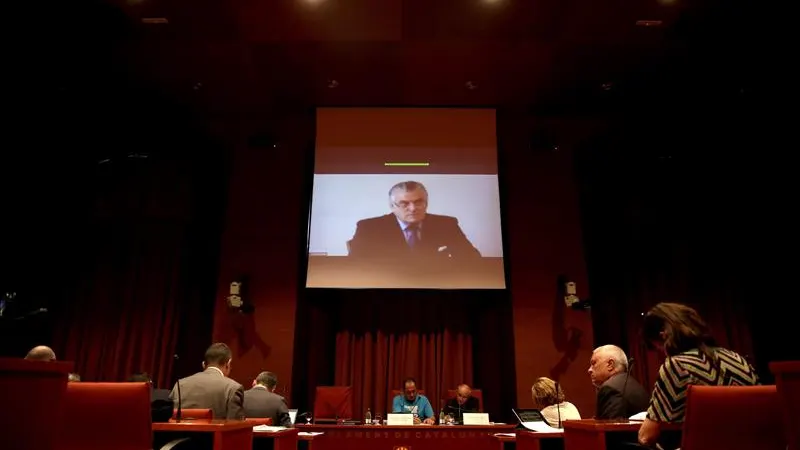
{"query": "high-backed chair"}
{"type": "Point", "coordinates": [787, 380]}
{"type": "Point", "coordinates": [477, 393]}
{"type": "Point", "coordinates": [332, 403]}
{"type": "Point", "coordinates": [31, 392]}
{"type": "Point", "coordinates": [193, 414]}
{"type": "Point", "coordinates": [102, 416]}
{"type": "Point", "coordinates": [396, 392]}
{"type": "Point", "coordinates": [733, 418]}
{"type": "Point", "coordinates": [259, 420]}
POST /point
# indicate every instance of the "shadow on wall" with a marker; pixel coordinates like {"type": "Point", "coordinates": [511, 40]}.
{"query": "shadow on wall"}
{"type": "Point", "coordinates": [567, 341]}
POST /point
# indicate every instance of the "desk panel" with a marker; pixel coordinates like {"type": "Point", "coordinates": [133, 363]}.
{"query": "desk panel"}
{"type": "Point", "coordinates": [419, 437]}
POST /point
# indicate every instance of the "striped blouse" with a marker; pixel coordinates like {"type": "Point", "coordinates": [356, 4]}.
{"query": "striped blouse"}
{"type": "Point", "coordinates": [668, 402]}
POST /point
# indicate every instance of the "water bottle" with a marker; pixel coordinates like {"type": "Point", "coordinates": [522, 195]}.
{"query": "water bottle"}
{"type": "Point", "coordinates": [368, 417]}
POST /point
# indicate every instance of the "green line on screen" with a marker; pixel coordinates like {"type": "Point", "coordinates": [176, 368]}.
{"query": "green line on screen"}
{"type": "Point", "coordinates": [406, 164]}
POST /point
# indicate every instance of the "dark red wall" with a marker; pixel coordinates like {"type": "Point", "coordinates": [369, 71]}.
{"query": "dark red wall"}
{"type": "Point", "coordinates": [265, 236]}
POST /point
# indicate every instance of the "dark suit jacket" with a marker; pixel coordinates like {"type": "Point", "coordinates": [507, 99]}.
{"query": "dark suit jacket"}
{"type": "Point", "coordinates": [161, 406]}
{"type": "Point", "coordinates": [472, 405]}
{"type": "Point", "coordinates": [612, 404]}
{"type": "Point", "coordinates": [210, 389]}
{"type": "Point", "coordinates": [261, 403]}
{"type": "Point", "coordinates": [381, 237]}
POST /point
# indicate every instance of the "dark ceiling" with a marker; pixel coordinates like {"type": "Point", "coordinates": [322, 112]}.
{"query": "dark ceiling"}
{"type": "Point", "coordinates": [250, 57]}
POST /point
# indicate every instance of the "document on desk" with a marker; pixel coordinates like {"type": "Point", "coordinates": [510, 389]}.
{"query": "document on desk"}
{"type": "Point", "coordinates": [541, 427]}
{"type": "Point", "coordinates": [638, 417]}
{"type": "Point", "coordinates": [267, 429]}
{"type": "Point", "coordinates": [506, 434]}
{"type": "Point", "coordinates": [310, 433]}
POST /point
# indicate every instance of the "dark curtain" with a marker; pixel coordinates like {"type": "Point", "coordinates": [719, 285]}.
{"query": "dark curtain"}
{"type": "Point", "coordinates": [666, 205]}
{"type": "Point", "coordinates": [149, 260]}
{"type": "Point", "coordinates": [376, 338]}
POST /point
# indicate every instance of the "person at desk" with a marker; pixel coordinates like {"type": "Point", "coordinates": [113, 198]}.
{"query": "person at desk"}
{"type": "Point", "coordinates": [262, 401]}
{"type": "Point", "coordinates": [693, 358]}
{"type": "Point", "coordinates": [212, 388]}
{"type": "Point", "coordinates": [462, 403]}
{"type": "Point", "coordinates": [619, 395]}
{"type": "Point", "coordinates": [412, 402]}
{"type": "Point", "coordinates": [552, 402]}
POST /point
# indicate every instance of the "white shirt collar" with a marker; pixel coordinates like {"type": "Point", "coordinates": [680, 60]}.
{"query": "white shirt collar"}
{"type": "Point", "coordinates": [215, 368]}
{"type": "Point", "coordinates": [258, 386]}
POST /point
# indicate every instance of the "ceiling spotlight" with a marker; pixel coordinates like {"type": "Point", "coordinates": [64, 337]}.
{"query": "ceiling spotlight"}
{"type": "Point", "coordinates": [471, 85]}
{"type": "Point", "coordinates": [333, 84]}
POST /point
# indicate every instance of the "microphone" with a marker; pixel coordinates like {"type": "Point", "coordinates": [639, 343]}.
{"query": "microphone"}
{"type": "Point", "coordinates": [558, 404]}
{"type": "Point", "coordinates": [625, 384]}
{"type": "Point", "coordinates": [178, 384]}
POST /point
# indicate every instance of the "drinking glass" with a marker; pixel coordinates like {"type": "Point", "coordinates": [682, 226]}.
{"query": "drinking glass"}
{"type": "Point", "coordinates": [308, 419]}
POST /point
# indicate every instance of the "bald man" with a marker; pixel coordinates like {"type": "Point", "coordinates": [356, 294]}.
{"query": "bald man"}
{"type": "Point", "coordinates": [463, 402]}
{"type": "Point", "coordinates": [41, 353]}
{"type": "Point", "coordinates": [619, 395]}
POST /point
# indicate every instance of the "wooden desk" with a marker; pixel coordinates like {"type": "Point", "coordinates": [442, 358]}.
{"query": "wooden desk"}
{"type": "Point", "coordinates": [417, 437]}
{"type": "Point", "coordinates": [591, 434]}
{"type": "Point", "coordinates": [503, 440]}
{"type": "Point", "coordinates": [530, 440]}
{"type": "Point", "coordinates": [787, 381]}
{"type": "Point", "coordinates": [281, 440]}
{"type": "Point", "coordinates": [225, 434]}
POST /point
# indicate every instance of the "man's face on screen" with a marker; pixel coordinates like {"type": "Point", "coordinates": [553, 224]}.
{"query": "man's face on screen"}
{"type": "Point", "coordinates": [409, 206]}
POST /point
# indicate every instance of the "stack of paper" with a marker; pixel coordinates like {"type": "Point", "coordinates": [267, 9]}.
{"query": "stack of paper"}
{"type": "Point", "coordinates": [541, 427]}
{"type": "Point", "coordinates": [267, 429]}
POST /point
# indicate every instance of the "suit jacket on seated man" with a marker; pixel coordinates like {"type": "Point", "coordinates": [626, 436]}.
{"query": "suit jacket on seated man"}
{"type": "Point", "coordinates": [409, 231]}
{"type": "Point", "coordinates": [161, 405]}
{"type": "Point", "coordinates": [212, 388]}
{"type": "Point", "coordinates": [261, 401]}
{"type": "Point", "coordinates": [619, 395]}
{"type": "Point", "coordinates": [462, 403]}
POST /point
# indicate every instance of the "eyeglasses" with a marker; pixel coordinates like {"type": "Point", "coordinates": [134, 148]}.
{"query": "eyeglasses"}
{"type": "Point", "coordinates": [404, 204]}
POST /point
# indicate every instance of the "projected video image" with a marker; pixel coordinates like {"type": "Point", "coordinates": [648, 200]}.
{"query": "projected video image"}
{"type": "Point", "coordinates": [405, 216]}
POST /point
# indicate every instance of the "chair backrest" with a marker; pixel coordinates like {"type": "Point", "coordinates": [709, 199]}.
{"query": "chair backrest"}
{"type": "Point", "coordinates": [194, 413]}
{"type": "Point", "coordinates": [32, 393]}
{"type": "Point", "coordinates": [100, 416]}
{"type": "Point", "coordinates": [787, 380]}
{"type": "Point", "coordinates": [714, 412]}
{"type": "Point", "coordinates": [333, 402]}
{"type": "Point", "coordinates": [396, 392]}
{"type": "Point", "coordinates": [259, 420]}
{"type": "Point", "coordinates": [477, 393]}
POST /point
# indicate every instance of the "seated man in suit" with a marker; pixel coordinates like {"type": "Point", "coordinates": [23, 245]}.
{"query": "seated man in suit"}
{"type": "Point", "coordinates": [409, 231]}
{"type": "Point", "coordinates": [161, 405]}
{"type": "Point", "coordinates": [619, 395]}
{"type": "Point", "coordinates": [412, 402]}
{"type": "Point", "coordinates": [262, 401]}
{"type": "Point", "coordinates": [461, 403]}
{"type": "Point", "coordinates": [41, 353]}
{"type": "Point", "coordinates": [212, 388]}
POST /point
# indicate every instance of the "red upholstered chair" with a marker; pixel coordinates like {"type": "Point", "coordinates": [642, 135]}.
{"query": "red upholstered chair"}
{"type": "Point", "coordinates": [396, 392]}
{"type": "Point", "coordinates": [32, 393]}
{"type": "Point", "coordinates": [733, 418]}
{"type": "Point", "coordinates": [477, 393]}
{"type": "Point", "coordinates": [259, 420]}
{"type": "Point", "coordinates": [787, 380]}
{"type": "Point", "coordinates": [333, 402]}
{"type": "Point", "coordinates": [102, 416]}
{"type": "Point", "coordinates": [194, 414]}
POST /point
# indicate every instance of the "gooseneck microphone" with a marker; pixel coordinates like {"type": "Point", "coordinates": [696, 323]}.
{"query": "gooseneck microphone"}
{"type": "Point", "coordinates": [625, 385]}
{"type": "Point", "coordinates": [178, 384]}
{"type": "Point", "coordinates": [558, 404]}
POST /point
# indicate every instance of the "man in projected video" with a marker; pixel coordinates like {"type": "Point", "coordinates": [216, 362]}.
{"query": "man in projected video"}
{"type": "Point", "coordinates": [410, 231]}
